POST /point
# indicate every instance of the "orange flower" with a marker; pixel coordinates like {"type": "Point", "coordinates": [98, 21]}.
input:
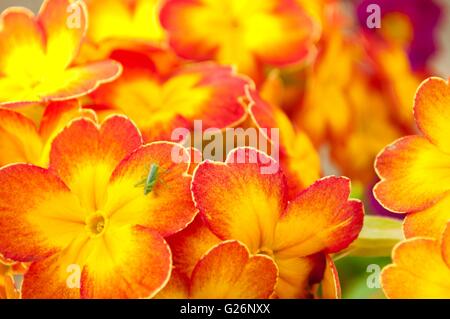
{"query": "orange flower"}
{"type": "Point", "coordinates": [85, 223]}
{"type": "Point", "coordinates": [124, 19]}
{"type": "Point", "coordinates": [421, 269]}
{"type": "Point", "coordinates": [159, 102]}
{"type": "Point", "coordinates": [415, 170]}
{"type": "Point", "coordinates": [238, 202]}
{"type": "Point", "coordinates": [37, 54]}
{"type": "Point", "coordinates": [191, 244]}
{"type": "Point", "coordinates": [22, 142]}
{"type": "Point", "coordinates": [247, 34]}
{"type": "Point", "coordinates": [226, 271]}
{"type": "Point", "coordinates": [298, 157]}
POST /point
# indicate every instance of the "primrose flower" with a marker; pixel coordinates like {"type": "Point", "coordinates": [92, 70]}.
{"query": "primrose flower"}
{"type": "Point", "coordinates": [415, 170]}
{"type": "Point", "coordinates": [37, 54]}
{"type": "Point", "coordinates": [22, 142]}
{"type": "Point", "coordinates": [248, 34]}
{"type": "Point", "coordinates": [88, 224]}
{"type": "Point", "coordinates": [238, 202]}
{"type": "Point", "coordinates": [160, 103]}
{"type": "Point", "coordinates": [420, 269]}
{"type": "Point", "coordinates": [298, 157]}
{"type": "Point", "coordinates": [226, 271]}
{"type": "Point", "coordinates": [190, 245]}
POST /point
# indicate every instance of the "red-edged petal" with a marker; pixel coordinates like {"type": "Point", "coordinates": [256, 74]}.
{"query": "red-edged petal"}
{"type": "Point", "coordinates": [38, 214]}
{"type": "Point", "coordinates": [239, 199]}
{"type": "Point", "coordinates": [228, 271]}
{"type": "Point", "coordinates": [19, 139]}
{"type": "Point", "coordinates": [322, 218]}
{"type": "Point", "coordinates": [331, 287]}
{"type": "Point", "coordinates": [418, 271]}
{"type": "Point", "coordinates": [176, 288]}
{"type": "Point", "coordinates": [409, 169]}
{"type": "Point", "coordinates": [168, 207]}
{"type": "Point", "coordinates": [432, 112]}
{"type": "Point", "coordinates": [135, 263]}
{"type": "Point", "coordinates": [189, 245]}
{"type": "Point", "coordinates": [64, 23]}
{"type": "Point", "coordinates": [84, 155]}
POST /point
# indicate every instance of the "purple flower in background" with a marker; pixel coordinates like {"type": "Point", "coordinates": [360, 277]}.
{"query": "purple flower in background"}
{"type": "Point", "coordinates": [423, 17]}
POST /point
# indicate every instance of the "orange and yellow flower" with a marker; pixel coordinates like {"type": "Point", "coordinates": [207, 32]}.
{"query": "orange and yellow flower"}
{"type": "Point", "coordinates": [85, 224]}
{"type": "Point", "coordinates": [37, 54]}
{"type": "Point", "coordinates": [420, 269]}
{"type": "Point", "coordinates": [248, 34]}
{"type": "Point", "coordinates": [159, 102]}
{"type": "Point", "coordinates": [22, 142]}
{"type": "Point", "coordinates": [415, 170]}
{"type": "Point", "coordinates": [298, 157]}
{"type": "Point", "coordinates": [238, 202]}
{"type": "Point", "coordinates": [226, 271]}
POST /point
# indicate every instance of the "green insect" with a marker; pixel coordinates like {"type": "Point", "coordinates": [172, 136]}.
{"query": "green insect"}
{"type": "Point", "coordinates": [152, 178]}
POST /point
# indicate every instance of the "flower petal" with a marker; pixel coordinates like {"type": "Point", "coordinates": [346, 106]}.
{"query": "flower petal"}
{"type": "Point", "coordinates": [296, 275]}
{"type": "Point", "coordinates": [168, 207]}
{"type": "Point", "coordinates": [64, 23]}
{"type": "Point", "coordinates": [432, 112]}
{"type": "Point", "coordinates": [331, 287]}
{"type": "Point", "coordinates": [19, 139]}
{"type": "Point", "coordinates": [319, 219]}
{"type": "Point", "coordinates": [135, 263]}
{"type": "Point", "coordinates": [189, 245]}
{"type": "Point", "coordinates": [79, 80]}
{"type": "Point", "coordinates": [58, 276]}
{"type": "Point", "coordinates": [32, 222]}
{"type": "Point", "coordinates": [228, 271]}
{"type": "Point", "coordinates": [240, 33]}
{"type": "Point", "coordinates": [418, 271]}
{"type": "Point", "coordinates": [160, 104]}
{"type": "Point", "coordinates": [429, 222]}
{"type": "Point", "coordinates": [176, 288]}
{"type": "Point", "coordinates": [20, 38]}
{"type": "Point", "coordinates": [445, 245]}
{"type": "Point", "coordinates": [85, 155]}
{"type": "Point", "coordinates": [58, 114]}
{"type": "Point", "coordinates": [237, 200]}
{"type": "Point", "coordinates": [409, 169]}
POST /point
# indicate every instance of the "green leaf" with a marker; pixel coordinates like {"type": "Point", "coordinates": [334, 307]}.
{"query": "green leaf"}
{"type": "Point", "coordinates": [377, 238]}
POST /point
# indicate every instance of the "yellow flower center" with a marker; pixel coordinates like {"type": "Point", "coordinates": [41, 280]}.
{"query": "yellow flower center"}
{"type": "Point", "coordinates": [96, 224]}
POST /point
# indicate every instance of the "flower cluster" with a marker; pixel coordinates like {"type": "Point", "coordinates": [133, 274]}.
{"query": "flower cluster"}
{"type": "Point", "coordinates": [204, 149]}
